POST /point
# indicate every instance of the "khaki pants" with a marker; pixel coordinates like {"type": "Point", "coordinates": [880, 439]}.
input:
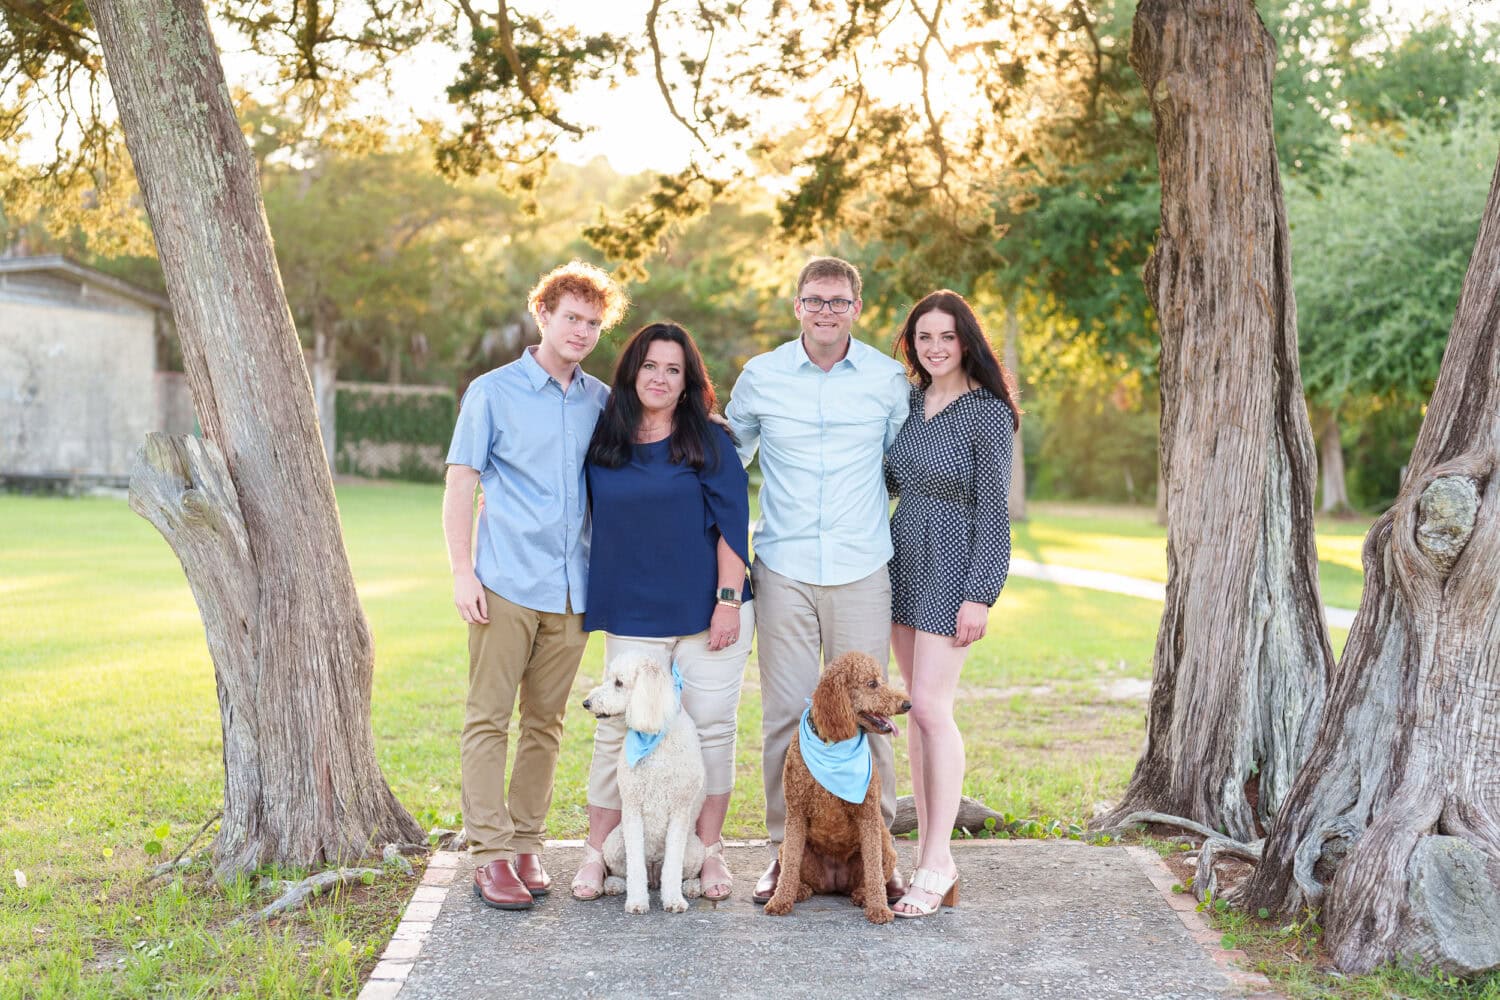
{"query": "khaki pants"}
{"type": "Point", "coordinates": [533, 654]}
{"type": "Point", "coordinates": [710, 695]}
{"type": "Point", "coordinates": [801, 627]}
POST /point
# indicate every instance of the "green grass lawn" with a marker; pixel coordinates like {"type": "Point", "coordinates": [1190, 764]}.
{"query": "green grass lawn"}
{"type": "Point", "coordinates": [1128, 540]}
{"type": "Point", "coordinates": [110, 726]}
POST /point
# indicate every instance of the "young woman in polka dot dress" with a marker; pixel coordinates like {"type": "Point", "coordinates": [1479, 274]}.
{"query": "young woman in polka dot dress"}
{"type": "Point", "coordinates": [950, 465]}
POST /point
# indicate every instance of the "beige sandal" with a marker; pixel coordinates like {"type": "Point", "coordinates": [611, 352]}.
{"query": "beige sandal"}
{"type": "Point", "coordinates": [716, 850]}
{"type": "Point", "coordinates": [943, 886]}
{"type": "Point", "coordinates": [585, 889]}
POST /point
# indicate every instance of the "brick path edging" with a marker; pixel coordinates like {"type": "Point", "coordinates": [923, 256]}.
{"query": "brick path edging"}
{"type": "Point", "coordinates": [411, 933]}
{"type": "Point", "coordinates": [1232, 961]}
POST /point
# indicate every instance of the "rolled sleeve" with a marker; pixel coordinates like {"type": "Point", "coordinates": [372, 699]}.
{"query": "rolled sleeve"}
{"type": "Point", "coordinates": [743, 418]}
{"type": "Point", "coordinates": [898, 393]}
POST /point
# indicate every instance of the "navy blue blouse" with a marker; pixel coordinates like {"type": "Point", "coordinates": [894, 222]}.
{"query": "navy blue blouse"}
{"type": "Point", "coordinates": [654, 565]}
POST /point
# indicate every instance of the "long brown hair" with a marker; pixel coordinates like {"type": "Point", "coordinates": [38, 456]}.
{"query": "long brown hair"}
{"type": "Point", "coordinates": [979, 361]}
{"type": "Point", "coordinates": [693, 440]}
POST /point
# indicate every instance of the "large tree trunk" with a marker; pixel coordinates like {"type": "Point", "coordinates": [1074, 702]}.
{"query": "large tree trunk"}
{"type": "Point", "coordinates": [1393, 825]}
{"type": "Point", "coordinates": [1242, 657]}
{"type": "Point", "coordinates": [1331, 464]}
{"type": "Point", "coordinates": [1012, 356]}
{"type": "Point", "coordinates": [250, 509]}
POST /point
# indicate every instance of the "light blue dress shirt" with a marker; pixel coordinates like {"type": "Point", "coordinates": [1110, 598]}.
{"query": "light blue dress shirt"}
{"type": "Point", "coordinates": [822, 436]}
{"type": "Point", "coordinates": [527, 439]}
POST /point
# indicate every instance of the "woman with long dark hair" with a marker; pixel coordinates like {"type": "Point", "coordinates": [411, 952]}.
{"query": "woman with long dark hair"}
{"type": "Point", "coordinates": [950, 465]}
{"type": "Point", "coordinates": [671, 513]}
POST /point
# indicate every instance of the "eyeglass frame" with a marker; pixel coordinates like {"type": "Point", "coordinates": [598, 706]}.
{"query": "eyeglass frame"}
{"type": "Point", "coordinates": [823, 303]}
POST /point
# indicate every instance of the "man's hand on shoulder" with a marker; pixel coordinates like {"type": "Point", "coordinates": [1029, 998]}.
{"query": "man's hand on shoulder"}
{"type": "Point", "coordinates": [468, 597]}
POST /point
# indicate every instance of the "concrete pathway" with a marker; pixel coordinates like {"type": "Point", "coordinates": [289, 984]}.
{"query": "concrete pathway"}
{"type": "Point", "coordinates": [1036, 919]}
{"type": "Point", "coordinates": [1131, 586]}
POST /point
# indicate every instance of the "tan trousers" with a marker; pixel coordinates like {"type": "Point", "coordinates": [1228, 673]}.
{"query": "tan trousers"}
{"type": "Point", "coordinates": [801, 627]}
{"type": "Point", "coordinates": [533, 654]}
{"type": "Point", "coordinates": [710, 695]}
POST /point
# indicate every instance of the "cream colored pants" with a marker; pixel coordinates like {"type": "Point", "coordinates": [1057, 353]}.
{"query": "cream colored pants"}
{"type": "Point", "coordinates": [710, 694]}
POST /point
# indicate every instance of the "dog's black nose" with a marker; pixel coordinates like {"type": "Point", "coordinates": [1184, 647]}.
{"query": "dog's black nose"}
{"type": "Point", "coordinates": [905, 706]}
{"type": "Point", "coordinates": [586, 704]}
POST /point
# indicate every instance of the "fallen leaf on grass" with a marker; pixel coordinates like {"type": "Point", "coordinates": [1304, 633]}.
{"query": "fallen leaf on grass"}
{"type": "Point", "coordinates": [20, 879]}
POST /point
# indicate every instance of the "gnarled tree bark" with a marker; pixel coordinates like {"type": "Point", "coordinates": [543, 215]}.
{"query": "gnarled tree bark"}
{"type": "Point", "coordinates": [1242, 657]}
{"type": "Point", "coordinates": [1393, 826]}
{"type": "Point", "coordinates": [250, 509]}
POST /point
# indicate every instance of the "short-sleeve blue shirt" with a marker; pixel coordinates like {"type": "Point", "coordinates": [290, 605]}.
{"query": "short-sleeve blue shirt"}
{"type": "Point", "coordinates": [654, 569]}
{"type": "Point", "coordinates": [527, 439]}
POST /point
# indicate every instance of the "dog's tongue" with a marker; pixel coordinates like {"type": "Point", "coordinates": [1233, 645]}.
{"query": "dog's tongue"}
{"type": "Point", "coordinates": [895, 729]}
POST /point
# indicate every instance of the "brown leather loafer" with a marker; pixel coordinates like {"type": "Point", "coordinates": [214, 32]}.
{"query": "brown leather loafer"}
{"type": "Point", "coordinates": [529, 868]}
{"type": "Point", "coordinates": [497, 885]}
{"type": "Point", "coordinates": [766, 887]}
{"type": "Point", "coordinates": [895, 888]}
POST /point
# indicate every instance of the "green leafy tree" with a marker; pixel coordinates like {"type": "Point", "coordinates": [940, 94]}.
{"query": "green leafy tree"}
{"type": "Point", "coordinates": [1379, 256]}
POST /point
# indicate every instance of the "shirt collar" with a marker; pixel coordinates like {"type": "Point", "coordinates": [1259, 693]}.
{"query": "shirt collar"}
{"type": "Point", "coordinates": [536, 374]}
{"type": "Point", "coordinates": [854, 356]}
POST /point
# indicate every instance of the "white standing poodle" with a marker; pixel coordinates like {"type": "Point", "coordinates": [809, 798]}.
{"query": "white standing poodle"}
{"type": "Point", "coordinates": [660, 795]}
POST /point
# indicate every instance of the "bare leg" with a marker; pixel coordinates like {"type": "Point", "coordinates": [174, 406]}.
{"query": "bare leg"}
{"type": "Point", "coordinates": [902, 643]}
{"type": "Point", "coordinates": [936, 664]}
{"type": "Point", "coordinates": [715, 875]}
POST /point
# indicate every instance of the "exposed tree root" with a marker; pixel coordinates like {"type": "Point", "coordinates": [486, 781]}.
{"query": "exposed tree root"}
{"type": "Point", "coordinates": [298, 893]}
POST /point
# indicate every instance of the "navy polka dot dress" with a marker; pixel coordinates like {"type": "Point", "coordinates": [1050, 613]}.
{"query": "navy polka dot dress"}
{"type": "Point", "coordinates": [951, 530]}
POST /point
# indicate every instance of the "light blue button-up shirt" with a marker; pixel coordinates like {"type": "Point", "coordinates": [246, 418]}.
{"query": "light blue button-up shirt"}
{"type": "Point", "coordinates": [527, 439]}
{"type": "Point", "coordinates": [824, 510]}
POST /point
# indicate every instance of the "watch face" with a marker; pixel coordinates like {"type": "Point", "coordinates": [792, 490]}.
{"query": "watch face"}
{"type": "Point", "coordinates": [728, 593]}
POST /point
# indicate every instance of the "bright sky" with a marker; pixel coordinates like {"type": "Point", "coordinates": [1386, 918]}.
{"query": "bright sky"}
{"type": "Point", "coordinates": [630, 124]}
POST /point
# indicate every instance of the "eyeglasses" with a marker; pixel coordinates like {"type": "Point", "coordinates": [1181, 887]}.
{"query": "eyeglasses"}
{"type": "Point", "coordinates": [814, 304]}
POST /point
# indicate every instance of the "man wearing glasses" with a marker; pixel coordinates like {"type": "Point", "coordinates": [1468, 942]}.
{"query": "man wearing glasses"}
{"type": "Point", "coordinates": [822, 408]}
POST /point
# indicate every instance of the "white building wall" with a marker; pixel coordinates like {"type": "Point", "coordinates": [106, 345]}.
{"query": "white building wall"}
{"type": "Point", "coordinates": [77, 388]}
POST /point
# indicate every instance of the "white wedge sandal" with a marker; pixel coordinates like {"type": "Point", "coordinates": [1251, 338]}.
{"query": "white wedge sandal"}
{"type": "Point", "coordinates": [943, 886]}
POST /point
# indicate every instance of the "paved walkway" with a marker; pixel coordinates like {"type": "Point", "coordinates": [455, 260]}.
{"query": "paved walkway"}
{"type": "Point", "coordinates": [1036, 919]}
{"type": "Point", "coordinates": [1132, 586]}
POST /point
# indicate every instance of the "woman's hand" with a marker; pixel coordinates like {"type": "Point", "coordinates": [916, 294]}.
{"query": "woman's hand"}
{"type": "Point", "coordinates": [723, 627]}
{"type": "Point", "coordinates": [973, 618]}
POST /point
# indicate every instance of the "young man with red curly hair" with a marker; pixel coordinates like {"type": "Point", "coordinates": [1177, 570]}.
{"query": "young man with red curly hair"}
{"type": "Point", "coordinates": [523, 430]}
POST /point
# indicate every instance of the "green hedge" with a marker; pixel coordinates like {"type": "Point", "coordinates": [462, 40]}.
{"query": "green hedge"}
{"type": "Point", "coordinates": [386, 416]}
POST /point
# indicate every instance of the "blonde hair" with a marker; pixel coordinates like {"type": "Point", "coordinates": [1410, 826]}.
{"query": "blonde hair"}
{"type": "Point", "coordinates": [586, 281]}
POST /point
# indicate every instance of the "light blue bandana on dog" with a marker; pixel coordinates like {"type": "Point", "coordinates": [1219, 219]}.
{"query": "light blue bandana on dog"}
{"type": "Point", "coordinates": [638, 745]}
{"type": "Point", "coordinates": [842, 767]}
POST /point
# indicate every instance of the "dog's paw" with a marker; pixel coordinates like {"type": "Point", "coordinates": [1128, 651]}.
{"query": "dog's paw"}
{"type": "Point", "coordinates": [692, 888]}
{"type": "Point", "coordinates": [677, 905]}
{"type": "Point", "coordinates": [881, 914]}
{"type": "Point", "coordinates": [779, 906]}
{"type": "Point", "coordinates": [614, 885]}
{"type": "Point", "coordinates": [641, 905]}
{"type": "Point", "coordinates": [857, 896]}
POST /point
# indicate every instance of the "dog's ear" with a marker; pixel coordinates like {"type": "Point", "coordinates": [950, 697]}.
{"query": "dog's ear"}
{"type": "Point", "coordinates": [832, 709]}
{"type": "Point", "coordinates": [650, 698]}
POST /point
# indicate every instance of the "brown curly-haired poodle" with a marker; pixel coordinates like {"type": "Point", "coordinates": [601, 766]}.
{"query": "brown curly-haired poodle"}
{"type": "Point", "coordinates": [832, 845]}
